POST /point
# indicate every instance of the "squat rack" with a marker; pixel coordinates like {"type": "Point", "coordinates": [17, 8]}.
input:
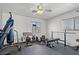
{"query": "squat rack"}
{"type": "Point", "coordinates": [65, 36]}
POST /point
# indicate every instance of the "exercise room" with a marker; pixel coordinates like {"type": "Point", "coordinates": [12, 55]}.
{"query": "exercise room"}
{"type": "Point", "coordinates": [39, 28]}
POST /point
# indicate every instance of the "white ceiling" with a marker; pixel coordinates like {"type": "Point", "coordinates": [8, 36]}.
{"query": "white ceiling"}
{"type": "Point", "coordinates": [25, 9]}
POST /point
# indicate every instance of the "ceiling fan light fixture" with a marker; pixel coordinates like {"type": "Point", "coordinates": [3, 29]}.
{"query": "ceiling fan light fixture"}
{"type": "Point", "coordinates": [40, 12]}
{"type": "Point", "coordinates": [40, 9]}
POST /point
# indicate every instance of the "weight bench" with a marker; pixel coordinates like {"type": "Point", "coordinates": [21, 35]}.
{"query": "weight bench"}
{"type": "Point", "coordinates": [51, 41]}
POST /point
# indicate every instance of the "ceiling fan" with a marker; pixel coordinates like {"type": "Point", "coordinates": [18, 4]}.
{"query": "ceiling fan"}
{"type": "Point", "coordinates": [39, 9]}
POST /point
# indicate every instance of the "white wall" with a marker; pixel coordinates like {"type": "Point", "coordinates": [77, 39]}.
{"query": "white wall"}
{"type": "Point", "coordinates": [23, 24]}
{"type": "Point", "coordinates": [0, 19]}
{"type": "Point", "coordinates": [56, 24]}
{"type": "Point", "coordinates": [0, 22]}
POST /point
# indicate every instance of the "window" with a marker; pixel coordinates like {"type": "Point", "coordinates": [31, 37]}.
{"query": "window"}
{"type": "Point", "coordinates": [77, 23]}
{"type": "Point", "coordinates": [69, 24]}
{"type": "Point", "coordinates": [72, 23]}
{"type": "Point", "coordinates": [36, 27]}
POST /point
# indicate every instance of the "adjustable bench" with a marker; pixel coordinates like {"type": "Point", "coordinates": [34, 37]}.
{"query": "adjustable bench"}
{"type": "Point", "coordinates": [51, 41]}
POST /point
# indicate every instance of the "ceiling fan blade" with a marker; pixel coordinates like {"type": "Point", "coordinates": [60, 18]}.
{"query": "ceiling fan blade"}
{"type": "Point", "coordinates": [48, 10]}
{"type": "Point", "coordinates": [34, 11]}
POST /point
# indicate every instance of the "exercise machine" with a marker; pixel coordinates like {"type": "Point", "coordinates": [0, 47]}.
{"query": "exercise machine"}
{"type": "Point", "coordinates": [8, 33]}
{"type": "Point", "coordinates": [33, 39]}
{"type": "Point", "coordinates": [37, 40]}
{"type": "Point", "coordinates": [28, 41]}
{"type": "Point", "coordinates": [53, 41]}
{"type": "Point", "coordinates": [43, 39]}
{"type": "Point", "coordinates": [58, 39]}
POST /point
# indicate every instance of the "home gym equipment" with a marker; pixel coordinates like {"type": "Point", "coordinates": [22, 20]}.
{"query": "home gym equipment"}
{"type": "Point", "coordinates": [28, 41]}
{"type": "Point", "coordinates": [18, 45]}
{"type": "Point", "coordinates": [43, 39]}
{"type": "Point", "coordinates": [37, 40]}
{"type": "Point", "coordinates": [27, 38]}
{"type": "Point", "coordinates": [58, 39]}
{"type": "Point", "coordinates": [8, 33]}
{"type": "Point", "coordinates": [33, 39]}
{"type": "Point", "coordinates": [54, 40]}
